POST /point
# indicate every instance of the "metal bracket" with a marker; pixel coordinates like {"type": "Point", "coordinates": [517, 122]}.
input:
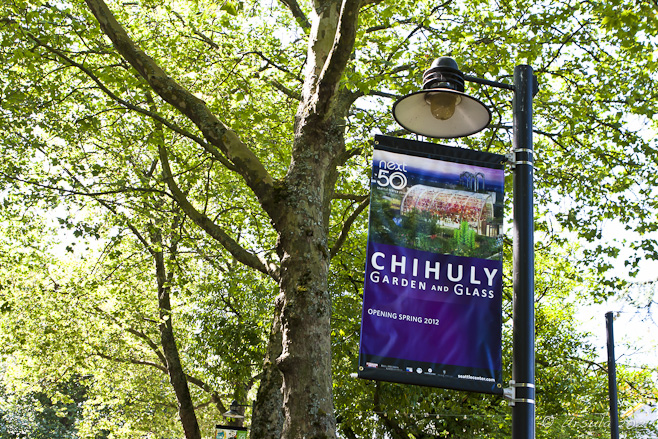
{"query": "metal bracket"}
{"type": "Point", "coordinates": [509, 393]}
{"type": "Point", "coordinates": [511, 157]}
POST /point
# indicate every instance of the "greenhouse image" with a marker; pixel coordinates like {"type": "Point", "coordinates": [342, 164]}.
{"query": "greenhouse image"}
{"type": "Point", "coordinates": [451, 207]}
{"type": "Point", "coordinates": [436, 205]}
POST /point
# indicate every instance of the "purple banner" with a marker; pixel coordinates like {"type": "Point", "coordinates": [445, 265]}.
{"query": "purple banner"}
{"type": "Point", "coordinates": [433, 286]}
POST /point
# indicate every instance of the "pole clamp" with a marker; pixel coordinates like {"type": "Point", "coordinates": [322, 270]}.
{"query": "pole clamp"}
{"type": "Point", "coordinates": [513, 161]}
{"type": "Point", "coordinates": [509, 393]}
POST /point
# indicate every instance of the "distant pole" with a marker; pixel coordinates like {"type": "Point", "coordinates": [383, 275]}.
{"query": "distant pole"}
{"type": "Point", "coordinates": [612, 378]}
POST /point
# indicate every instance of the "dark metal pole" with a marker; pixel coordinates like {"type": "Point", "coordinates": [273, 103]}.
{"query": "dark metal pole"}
{"type": "Point", "coordinates": [612, 378]}
{"type": "Point", "coordinates": [523, 372]}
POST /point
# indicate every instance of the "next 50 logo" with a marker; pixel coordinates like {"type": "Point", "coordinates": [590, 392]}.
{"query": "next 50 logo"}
{"type": "Point", "coordinates": [391, 174]}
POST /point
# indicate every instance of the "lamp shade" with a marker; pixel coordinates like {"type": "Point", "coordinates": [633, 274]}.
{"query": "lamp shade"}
{"type": "Point", "coordinates": [233, 414]}
{"type": "Point", "coordinates": [233, 411]}
{"type": "Point", "coordinates": [414, 113]}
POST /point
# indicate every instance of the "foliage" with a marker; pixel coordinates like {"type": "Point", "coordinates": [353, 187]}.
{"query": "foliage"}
{"type": "Point", "coordinates": [40, 415]}
{"type": "Point", "coordinates": [98, 317]}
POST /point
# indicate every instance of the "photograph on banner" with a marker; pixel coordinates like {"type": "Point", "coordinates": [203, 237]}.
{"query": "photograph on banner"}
{"type": "Point", "coordinates": [433, 287]}
{"type": "Point", "coordinates": [436, 206]}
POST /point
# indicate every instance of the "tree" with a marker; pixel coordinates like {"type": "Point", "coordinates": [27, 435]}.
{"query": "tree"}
{"type": "Point", "coordinates": [43, 415]}
{"type": "Point", "coordinates": [268, 107]}
{"type": "Point", "coordinates": [116, 312]}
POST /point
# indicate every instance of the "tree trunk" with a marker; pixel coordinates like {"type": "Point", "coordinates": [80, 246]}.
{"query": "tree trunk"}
{"type": "Point", "coordinates": [305, 360]}
{"type": "Point", "coordinates": [177, 376]}
{"type": "Point", "coordinates": [299, 207]}
{"type": "Point", "coordinates": [302, 224]}
{"type": "Point", "coordinates": [267, 419]}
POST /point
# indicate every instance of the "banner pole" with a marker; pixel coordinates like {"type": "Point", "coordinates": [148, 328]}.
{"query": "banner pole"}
{"type": "Point", "coordinates": [523, 372]}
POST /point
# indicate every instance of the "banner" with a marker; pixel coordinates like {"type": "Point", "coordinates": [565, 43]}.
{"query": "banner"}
{"type": "Point", "coordinates": [433, 286]}
{"type": "Point", "coordinates": [230, 432]}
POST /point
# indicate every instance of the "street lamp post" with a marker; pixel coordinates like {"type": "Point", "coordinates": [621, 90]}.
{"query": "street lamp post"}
{"type": "Point", "coordinates": [443, 110]}
{"type": "Point", "coordinates": [523, 362]}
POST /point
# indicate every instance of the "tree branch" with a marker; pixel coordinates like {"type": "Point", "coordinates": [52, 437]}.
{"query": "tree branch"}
{"type": "Point", "coordinates": [241, 254]}
{"type": "Point", "coordinates": [214, 152]}
{"type": "Point", "coordinates": [150, 343]}
{"type": "Point", "coordinates": [109, 207]}
{"type": "Point", "coordinates": [214, 396]}
{"type": "Point", "coordinates": [347, 225]}
{"type": "Point", "coordinates": [370, 2]}
{"type": "Point", "coordinates": [297, 13]}
{"type": "Point", "coordinates": [132, 361]}
{"type": "Point", "coordinates": [340, 52]}
{"type": "Point", "coordinates": [154, 347]}
{"type": "Point", "coordinates": [177, 376]}
{"type": "Point", "coordinates": [245, 161]}
{"type": "Point", "coordinates": [383, 94]}
{"type": "Point", "coordinates": [64, 191]}
{"type": "Point", "coordinates": [353, 197]}
{"type": "Point", "coordinates": [285, 90]}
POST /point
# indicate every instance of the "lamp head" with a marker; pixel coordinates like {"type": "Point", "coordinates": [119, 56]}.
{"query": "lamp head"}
{"type": "Point", "coordinates": [442, 109]}
{"type": "Point", "coordinates": [443, 73]}
{"type": "Point", "coordinates": [233, 411]}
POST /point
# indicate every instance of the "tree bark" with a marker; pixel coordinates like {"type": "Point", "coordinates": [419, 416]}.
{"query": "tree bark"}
{"type": "Point", "coordinates": [302, 225]}
{"type": "Point", "coordinates": [305, 360]}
